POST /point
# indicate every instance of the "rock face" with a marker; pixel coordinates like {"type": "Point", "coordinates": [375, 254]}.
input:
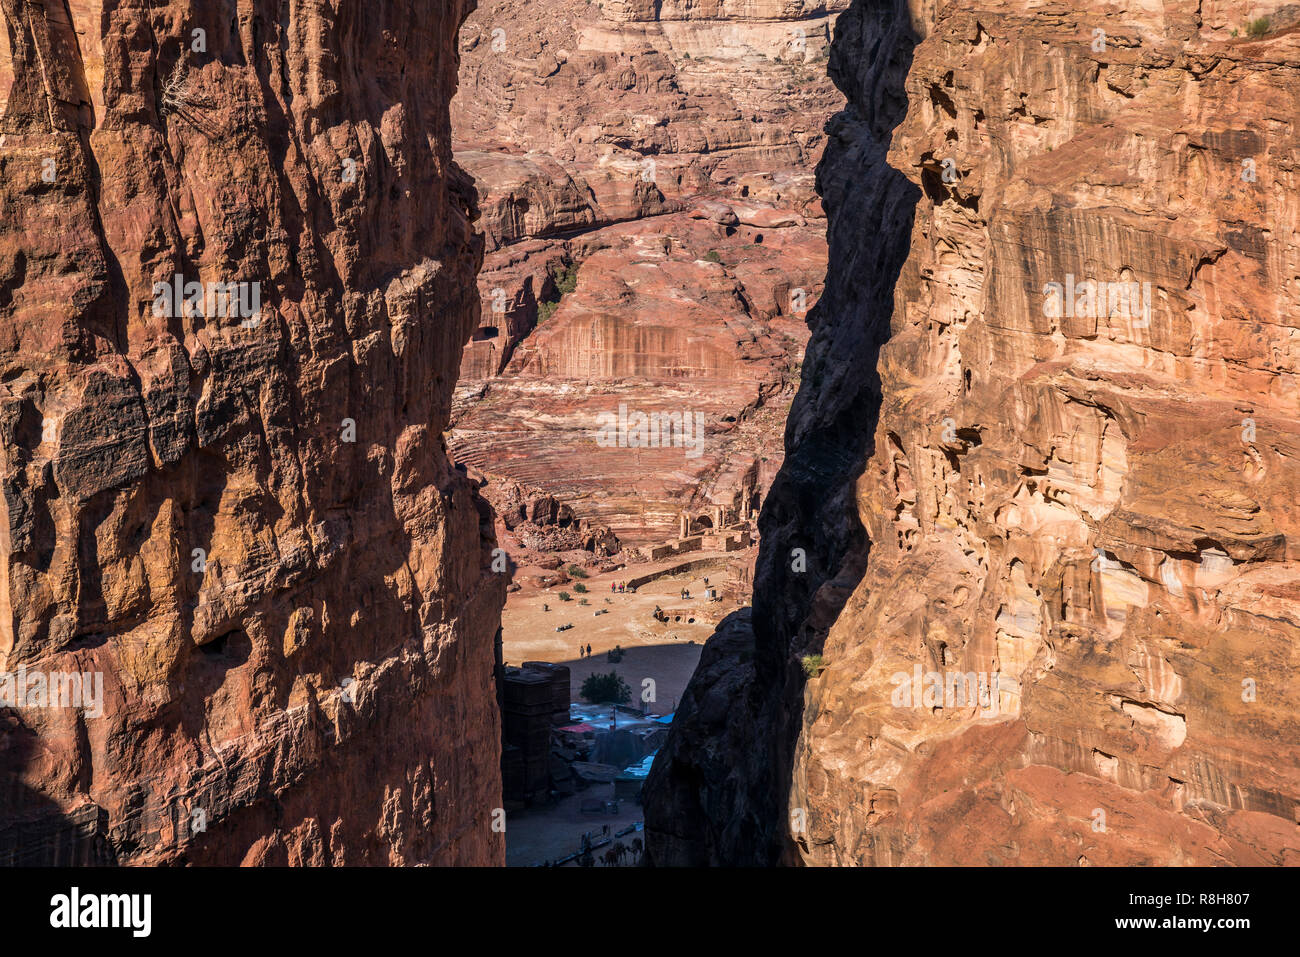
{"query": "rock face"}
{"type": "Point", "coordinates": [1072, 487]}
{"type": "Point", "coordinates": [243, 520]}
{"type": "Point", "coordinates": [653, 242]}
{"type": "Point", "coordinates": [718, 790]}
{"type": "Point", "coordinates": [650, 329]}
{"type": "Point", "coordinates": [533, 526]}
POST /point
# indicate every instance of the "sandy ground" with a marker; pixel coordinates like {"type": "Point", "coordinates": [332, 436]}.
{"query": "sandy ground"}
{"type": "Point", "coordinates": [664, 652]}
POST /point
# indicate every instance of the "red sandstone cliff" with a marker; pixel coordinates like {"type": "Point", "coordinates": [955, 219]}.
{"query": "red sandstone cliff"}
{"type": "Point", "coordinates": [250, 528]}
{"type": "Point", "coordinates": [1093, 506]}
{"type": "Point", "coordinates": [653, 241]}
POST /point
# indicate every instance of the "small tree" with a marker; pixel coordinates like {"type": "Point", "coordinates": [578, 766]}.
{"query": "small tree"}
{"type": "Point", "coordinates": [566, 280]}
{"type": "Point", "coordinates": [177, 92]}
{"type": "Point", "coordinates": [600, 688]}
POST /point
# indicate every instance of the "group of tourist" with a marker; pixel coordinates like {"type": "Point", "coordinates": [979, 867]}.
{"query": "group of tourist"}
{"type": "Point", "coordinates": [584, 652]}
{"type": "Point", "coordinates": [619, 587]}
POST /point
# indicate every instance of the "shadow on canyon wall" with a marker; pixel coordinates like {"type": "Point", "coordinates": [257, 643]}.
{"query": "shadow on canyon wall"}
{"type": "Point", "coordinates": [717, 793]}
{"type": "Point", "coordinates": [34, 830]}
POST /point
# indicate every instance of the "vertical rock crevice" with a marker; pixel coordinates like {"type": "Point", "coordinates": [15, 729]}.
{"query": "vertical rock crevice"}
{"type": "Point", "coordinates": [716, 794]}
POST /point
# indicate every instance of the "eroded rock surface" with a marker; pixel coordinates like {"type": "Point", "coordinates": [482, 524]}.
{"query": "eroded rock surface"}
{"type": "Point", "coordinates": [1092, 506]}
{"type": "Point", "coordinates": [248, 525]}
{"type": "Point", "coordinates": [654, 242]}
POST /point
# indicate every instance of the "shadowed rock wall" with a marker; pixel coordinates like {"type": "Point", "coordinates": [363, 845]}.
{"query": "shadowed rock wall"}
{"type": "Point", "coordinates": [1083, 495]}
{"type": "Point", "coordinates": [717, 792]}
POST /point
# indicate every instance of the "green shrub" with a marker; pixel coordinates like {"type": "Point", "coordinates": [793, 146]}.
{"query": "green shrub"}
{"type": "Point", "coordinates": [565, 596]}
{"type": "Point", "coordinates": [812, 665]}
{"type": "Point", "coordinates": [712, 256]}
{"type": "Point", "coordinates": [566, 280]}
{"type": "Point", "coordinates": [1257, 28]}
{"type": "Point", "coordinates": [600, 688]}
{"type": "Point", "coordinates": [580, 588]}
{"type": "Point", "coordinates": [576, 572]}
